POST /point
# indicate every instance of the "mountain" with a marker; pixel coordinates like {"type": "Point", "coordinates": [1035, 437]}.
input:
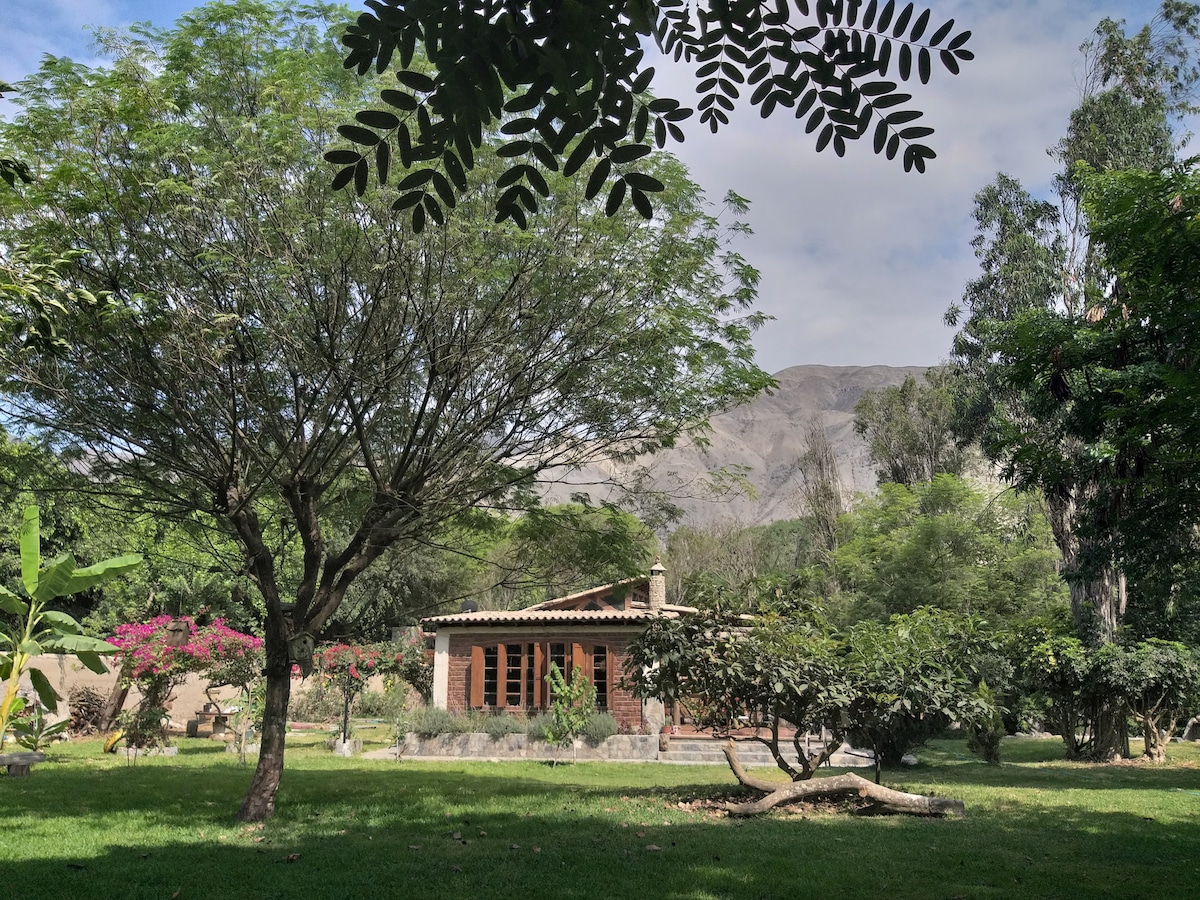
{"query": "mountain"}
{"type": "Point", "coordinates": [762, 439]}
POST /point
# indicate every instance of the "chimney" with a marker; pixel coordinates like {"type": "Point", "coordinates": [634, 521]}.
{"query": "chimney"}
{"type": "Point", "coordinates": [658, 587]}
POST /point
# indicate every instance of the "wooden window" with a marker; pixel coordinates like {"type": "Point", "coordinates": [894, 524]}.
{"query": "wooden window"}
{"type": "Point", "coordinates": [491, 675]}
{"type": "Point", "coordinates": [513, 675]}
{"type": "Point", "coordinates": [514, 670]}
{"type": "Point", "coordinates": [600, 675]}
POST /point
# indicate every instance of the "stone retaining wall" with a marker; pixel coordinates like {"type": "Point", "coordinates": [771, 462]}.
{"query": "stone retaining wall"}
{"type": "Point", "coordinates": [519, 746]}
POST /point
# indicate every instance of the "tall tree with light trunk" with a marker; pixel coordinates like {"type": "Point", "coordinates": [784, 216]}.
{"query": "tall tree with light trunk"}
{"type": "Point", "coordinates": [298, 364]}
{"type": "Point", "coordinates": [1030, 322]}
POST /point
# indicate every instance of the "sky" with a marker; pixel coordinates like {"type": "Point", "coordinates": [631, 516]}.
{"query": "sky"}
{"type": "Point", "coordinates": [859, 259]}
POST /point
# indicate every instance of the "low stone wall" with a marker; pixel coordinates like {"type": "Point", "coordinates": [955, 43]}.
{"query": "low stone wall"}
{"type": "Point", "coordinates": [630, 747]}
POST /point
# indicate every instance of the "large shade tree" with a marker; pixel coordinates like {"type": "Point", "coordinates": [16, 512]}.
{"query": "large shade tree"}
{"type": "Point", "coordinates": [297, 364]}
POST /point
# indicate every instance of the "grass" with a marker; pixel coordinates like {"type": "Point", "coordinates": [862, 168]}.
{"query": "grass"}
{"type": "Point", "coordinates": [86, 824]}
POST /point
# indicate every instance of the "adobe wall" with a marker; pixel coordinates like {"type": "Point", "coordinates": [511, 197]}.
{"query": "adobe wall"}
{"type": "Point", "coordinates": [65, 672]}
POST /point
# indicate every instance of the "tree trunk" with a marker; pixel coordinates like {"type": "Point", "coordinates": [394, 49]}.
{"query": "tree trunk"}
{"type": "Point", "coordinates": [259, 802]}
{"type": "Point", "coordinates": [113, 707]}
{"type": "Point", "coordinates": [1155, 739]}
{"type": "Point", "coordinates": [849, 785]}
{"type": "Point", "coordinates": [1110, 741]}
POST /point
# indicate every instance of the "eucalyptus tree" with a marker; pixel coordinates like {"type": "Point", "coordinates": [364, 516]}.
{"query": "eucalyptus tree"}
{"type": "Point", "coordinates": [297, 364]}
{"type": "Point", "coordinates": [909, 429]}
{"type": "Point", "coordinates": [570, 83]}
{"type": "Point", "coordinates": [1030, 325]}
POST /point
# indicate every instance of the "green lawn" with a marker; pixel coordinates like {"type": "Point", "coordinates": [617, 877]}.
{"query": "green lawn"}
{"type": "Point", "coordinates": [90, 825]}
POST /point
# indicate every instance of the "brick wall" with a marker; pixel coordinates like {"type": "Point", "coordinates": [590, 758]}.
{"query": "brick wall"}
{"type": "Point", "coordinates": [625, 708]}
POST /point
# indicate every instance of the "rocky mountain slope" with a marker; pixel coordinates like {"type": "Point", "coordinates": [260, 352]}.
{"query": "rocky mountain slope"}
{"type": "Point", "coordinates": [762, 440]}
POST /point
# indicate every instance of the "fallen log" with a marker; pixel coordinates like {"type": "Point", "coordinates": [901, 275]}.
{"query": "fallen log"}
{"type": "Point", "coordinates": [881, 799]}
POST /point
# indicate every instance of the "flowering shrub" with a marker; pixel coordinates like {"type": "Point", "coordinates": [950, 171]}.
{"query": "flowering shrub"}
{"type": "Point", "coordinates": [347, 667]}
{"type": "Point", "coordinates": [414, 664]}
{"type": "Point", "coordinates": [149, 660]}
{"type": "Point", "coordinates": [145, 651]}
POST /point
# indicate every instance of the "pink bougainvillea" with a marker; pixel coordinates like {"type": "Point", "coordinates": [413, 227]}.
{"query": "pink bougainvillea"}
{"type": "Point", "coordinates": [145, 651]}
{"type": "Point", "coordinates": [148, 659]}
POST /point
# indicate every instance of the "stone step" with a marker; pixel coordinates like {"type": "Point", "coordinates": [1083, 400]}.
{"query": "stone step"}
{"type": "Point", "coordinates": [692, 752]}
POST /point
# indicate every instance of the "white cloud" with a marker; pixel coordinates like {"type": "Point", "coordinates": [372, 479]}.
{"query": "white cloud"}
{"type": "Point", "coordinates": [860, 260]}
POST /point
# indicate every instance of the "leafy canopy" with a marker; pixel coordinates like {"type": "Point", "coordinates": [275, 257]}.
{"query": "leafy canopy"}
{"type": "Point", "coordinates": [567, 82]}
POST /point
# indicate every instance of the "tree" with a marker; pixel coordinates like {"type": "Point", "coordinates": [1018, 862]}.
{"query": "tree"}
{"type": "Point", "coordinates": [1026, 323]}
{"type": "Point", "coordinates": [1042, 286]}
{"type": "Point", "coordinates": [948, 544]}
{"type": "Point", "coordinates": [1154, 682]}
{"type": "Point", "coordinates": [302, 369]}
{"type": "Point", "coordinates": [784, 668]}
{"type": "Point", "coordinates": [567, 84]}
{"type": "Point", "coordinates": [822, 498]}
{"type": "Point", "coordinates": [556, 550]}
{"type": "Point", "coordinates": [909, 429]}
{"type": "Point", "coordinates": [1134, 391]}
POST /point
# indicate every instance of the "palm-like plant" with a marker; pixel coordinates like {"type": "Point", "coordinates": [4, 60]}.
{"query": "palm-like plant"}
{"type": "Point", "coordinates": [39, 630]}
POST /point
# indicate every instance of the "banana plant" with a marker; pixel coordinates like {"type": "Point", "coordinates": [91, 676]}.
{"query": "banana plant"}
{"type": "Point", "coordinates": [36, 630]}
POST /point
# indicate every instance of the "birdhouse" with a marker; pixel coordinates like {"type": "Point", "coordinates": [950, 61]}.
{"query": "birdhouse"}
{"type": "Point", "coordinates": [300, 651]}
{"type": "Point", "coordinates": [178, 632]}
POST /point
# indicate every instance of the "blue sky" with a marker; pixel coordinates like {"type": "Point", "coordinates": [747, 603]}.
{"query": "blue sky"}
{"type": "Point", "coordinates": [859, 259]}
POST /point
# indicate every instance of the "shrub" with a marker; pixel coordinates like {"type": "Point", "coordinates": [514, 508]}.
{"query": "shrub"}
{"type": "Point", "coordinates": [317, 704]}
{"type": "Point", "coordinates": [430, 721]}
{"type": "Point", "coordinates": [375, 705]}
{"type": "Point", "coordinates": [599, 726]}
{"type": "Point", "coordinates": [573, 701]}
{"type": "Point", "coordinates": [502, 724]}
{"type": "Point", "coordinates": [537, 726]}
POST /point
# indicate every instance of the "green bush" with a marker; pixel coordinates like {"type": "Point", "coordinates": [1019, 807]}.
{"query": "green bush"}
{"type": "Point", "coordinates": [500, 725]}
{"type": "Point", "coordinates": [536, 727]}
{"type": "Point", "coordinates": [430, 721]}
{"type": "Point", "coordinates": [317, 704]}
{"type": "Point", "coordinates": [599, 726]}
{"type": "Point", "coordinates": [387, 704]}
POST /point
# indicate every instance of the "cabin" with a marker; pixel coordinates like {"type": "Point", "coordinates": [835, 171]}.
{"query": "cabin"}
{"type": "Point", "coordinates": [497, 661]}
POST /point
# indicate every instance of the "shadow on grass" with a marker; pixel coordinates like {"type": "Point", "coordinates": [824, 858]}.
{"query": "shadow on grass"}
{"type": "Point", "coordinates": [357, 829]}
{"type": "Point", "coordinates": [556, 850]}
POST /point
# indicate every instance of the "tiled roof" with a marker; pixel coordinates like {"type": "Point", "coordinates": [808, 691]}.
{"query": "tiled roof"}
{"type": "Point", "coordinates": [600, 591]}
{"type": "Point", "coordinates": [537, 616]}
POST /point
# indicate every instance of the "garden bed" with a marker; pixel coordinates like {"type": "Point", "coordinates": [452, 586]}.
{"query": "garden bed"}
{"type": "Point", "coordinates": [631, 747]}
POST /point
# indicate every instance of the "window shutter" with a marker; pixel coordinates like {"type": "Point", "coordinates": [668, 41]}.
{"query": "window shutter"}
{"type": "Point", "coordinates": [588, 661]}
{"type": "Point", "coordinates": [577, 659]}
{"type": "Point", "coordinates": [476, 676]}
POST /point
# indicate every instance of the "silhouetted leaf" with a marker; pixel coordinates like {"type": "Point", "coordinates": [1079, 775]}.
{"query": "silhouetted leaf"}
{"type": "Point", "coordinates": [616, 196]}
{"type": "Point", "coordinates": [642, 182]}
{"type": "Point", "coordinates": [415, 179]}
{"type": "Point", "coordinates": [940, 35]}
{"type": "Point", "coordinates": [383, 157]}
{"type": "Point", "coordinates": [343, 178]}
{"type": "Point", "coordinates": [378, 118]}
{"type": "Point", "coordinates": [597, 178]}
{"type": "Point", "coordinates": [627, 153]}
{"type": "Point", "coordinates": [407, 200]}
{"type": "Point", "coordinates": [358, 135]}
{"type": "Point", "coordinates": [418, 81]}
